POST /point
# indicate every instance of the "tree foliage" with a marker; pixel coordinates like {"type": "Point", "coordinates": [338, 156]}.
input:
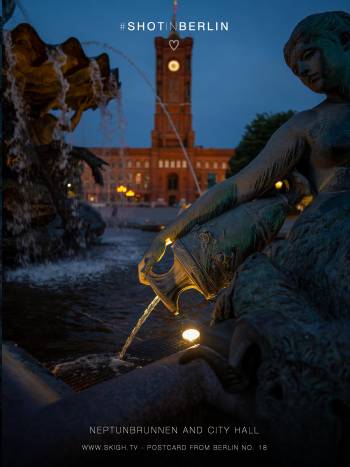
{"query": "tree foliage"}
{"type": "Point", "coordinates": [255, 137]}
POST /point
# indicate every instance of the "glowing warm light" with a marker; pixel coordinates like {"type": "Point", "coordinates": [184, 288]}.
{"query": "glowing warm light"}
{"type": "Point", "coordinates": [69, 185]}
{"type": "Point", "coordinates": [168, 241]}
{"type": "Point", "coordinates": [174, 65]}
{"type": "Point", "coordinates": [191, 335]}
{"type": "Point", "coordinates": [121, 189]}
{"type": "Point", "coordinates": [91, 198]}
{"type": "Point", "coordinates": [278, 185]}
{"type": "Point", "coordinates": [130, 193]}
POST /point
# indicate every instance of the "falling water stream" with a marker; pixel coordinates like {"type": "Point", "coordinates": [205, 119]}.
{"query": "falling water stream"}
{"type": "Point", "coordinates": [138, 325]}
{"type": "Point", "coordinates": [20, 161]}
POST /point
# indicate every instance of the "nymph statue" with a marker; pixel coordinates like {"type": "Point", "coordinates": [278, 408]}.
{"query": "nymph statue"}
{"type": "Point", "coordinates": [315, 141]}
{"type": "Point", "coordinates": [287, 311]}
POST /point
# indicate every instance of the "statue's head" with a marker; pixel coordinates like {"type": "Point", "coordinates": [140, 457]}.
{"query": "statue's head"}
{"type": "Point", "coordinates": [318, 52]}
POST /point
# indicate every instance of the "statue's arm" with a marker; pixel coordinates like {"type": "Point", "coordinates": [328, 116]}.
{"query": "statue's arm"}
{"type": "Point", "coordinates": [275, 161]}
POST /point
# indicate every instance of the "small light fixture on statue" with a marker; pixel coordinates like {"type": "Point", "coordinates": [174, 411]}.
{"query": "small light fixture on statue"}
{"type": "Point", "coordinates": [278, 185]}
{"type": "Point", "coordinates": [191, 335]}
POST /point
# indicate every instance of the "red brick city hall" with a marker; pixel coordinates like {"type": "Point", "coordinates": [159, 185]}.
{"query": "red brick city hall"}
{"type": "Point", "coordinates": [160, 174]}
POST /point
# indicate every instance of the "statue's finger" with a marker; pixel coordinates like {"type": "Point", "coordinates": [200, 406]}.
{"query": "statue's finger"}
{"type": "Point", "coordinates": [229, 377]}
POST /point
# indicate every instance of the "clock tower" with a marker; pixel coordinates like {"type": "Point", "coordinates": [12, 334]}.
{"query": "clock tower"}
{"type": "Point", "coordinates": [161, 175]}
{"type": "Point", "coordinates": [173, 85]}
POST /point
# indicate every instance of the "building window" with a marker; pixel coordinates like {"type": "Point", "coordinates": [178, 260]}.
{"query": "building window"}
{"type": "Point", "coordinates": [223, 165]}
{"type": "Point", "coordinates": [129, 165]}
{"type": "Point", "coordinates": [160, 164]}
{"type": "Point", "coordinates": [178, 164]}
{"type": "Point", "coordinates": [173, 182]}
{"type": "Point", "coordinates": [146, 182]}
{"type": "Point", "coordinates": [172, 164]}
{"type": "Point", "coordinates": [138, 179]}
{"type": "Point", "coordinates": [166, 163]}
{"type": "Point", "coordinates": [215, 165]}
{"type": "Point", "coordinates": [211, 180]}
{"type": "Point", "coordinates": [138, 164]}
{"type": "Point", "coordinates": [206, 165]}
{"type": "Point", "coordinates": [184, 164]}
{"type": "Point", "coordinates": [146, 165]}
{"type": "Point", "coordinates": [198, 165]}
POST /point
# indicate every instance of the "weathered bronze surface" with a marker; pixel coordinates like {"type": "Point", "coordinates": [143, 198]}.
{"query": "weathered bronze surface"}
{"type": "Point", "coordinates": [47, 89]}
{"type": "Point", "coordinates": [290, 304]}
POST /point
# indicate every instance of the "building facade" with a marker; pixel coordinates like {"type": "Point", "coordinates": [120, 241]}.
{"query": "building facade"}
{"type": "Point", "coordinates": [160, 174]}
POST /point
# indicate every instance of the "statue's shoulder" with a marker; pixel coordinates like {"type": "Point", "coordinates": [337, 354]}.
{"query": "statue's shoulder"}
{"type": "Point", "coordinates": [299, 122]}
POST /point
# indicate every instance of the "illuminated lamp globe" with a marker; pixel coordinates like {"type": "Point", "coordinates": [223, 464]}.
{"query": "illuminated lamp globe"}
{"type": "Point", "coordinates": [191, 335]}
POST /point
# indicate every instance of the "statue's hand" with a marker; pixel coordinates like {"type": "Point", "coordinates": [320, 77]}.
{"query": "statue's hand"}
{"type": "Point", "coordinates": [152, 256]}
{"type": "Point", "coordinates": [231, 379]}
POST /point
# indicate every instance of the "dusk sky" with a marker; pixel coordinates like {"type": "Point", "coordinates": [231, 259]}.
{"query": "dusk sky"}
{"type": "Point", "coordinates": [236, 74]}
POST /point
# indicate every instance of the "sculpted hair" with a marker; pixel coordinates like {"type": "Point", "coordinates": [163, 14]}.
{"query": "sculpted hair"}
{"type": "Point", "coordinates": [331, 23]}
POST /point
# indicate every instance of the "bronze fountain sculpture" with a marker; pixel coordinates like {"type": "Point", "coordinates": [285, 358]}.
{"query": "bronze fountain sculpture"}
{"type": "Point", "coordinates": [287, 309]}
{"type": "Point", "coordinates": [47, 89]}
{"type": "Point", "coordinates": [318, 53]}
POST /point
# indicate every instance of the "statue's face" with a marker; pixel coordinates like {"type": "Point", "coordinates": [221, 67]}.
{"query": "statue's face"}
{"type": "Point", "coordinates": [321, 64]}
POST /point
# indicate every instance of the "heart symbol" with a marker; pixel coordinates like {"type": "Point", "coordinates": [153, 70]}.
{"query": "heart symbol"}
{"type": "Point", "coordinates": [174, 44]}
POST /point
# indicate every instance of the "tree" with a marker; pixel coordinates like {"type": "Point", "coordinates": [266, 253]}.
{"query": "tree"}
{"type": "Point", "coordinates": [255, 137]}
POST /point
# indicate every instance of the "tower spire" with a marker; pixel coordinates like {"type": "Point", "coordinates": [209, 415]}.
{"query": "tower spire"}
{"type": "Point", "coordinates": [173, 27]}
{"type": "Point", "coordinates": [174, 11]}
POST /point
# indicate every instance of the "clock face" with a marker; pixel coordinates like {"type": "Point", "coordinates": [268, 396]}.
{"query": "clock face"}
{"type": "Point", "coordinates": [174, 65]}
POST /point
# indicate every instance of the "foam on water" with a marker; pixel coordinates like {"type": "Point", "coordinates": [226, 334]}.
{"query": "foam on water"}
{"type": "Point", "coordinates": [117, 252]}
{"type": "Point", "coordinates": [92, 363]}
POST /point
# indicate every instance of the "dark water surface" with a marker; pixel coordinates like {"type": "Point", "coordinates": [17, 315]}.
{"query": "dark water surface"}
{"type": "Point", "coordinates": [77, 313]}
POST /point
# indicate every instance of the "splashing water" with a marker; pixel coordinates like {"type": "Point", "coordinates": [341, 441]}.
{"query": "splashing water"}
{"type": "Point", "coordinates": [138, 325]}
{"type": "Point", "coordinates": [97, 84]}
{"type": "Point", "coordinates": [19, 160]}
{"type": "Point", "coordinates": [69, 173]}
{"type": "Point", "coordinates": [58, 59]}
{"type": "Point", "coordinates": [159, 100]}
{"type": "Point", "coordinates": [102, 100]}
